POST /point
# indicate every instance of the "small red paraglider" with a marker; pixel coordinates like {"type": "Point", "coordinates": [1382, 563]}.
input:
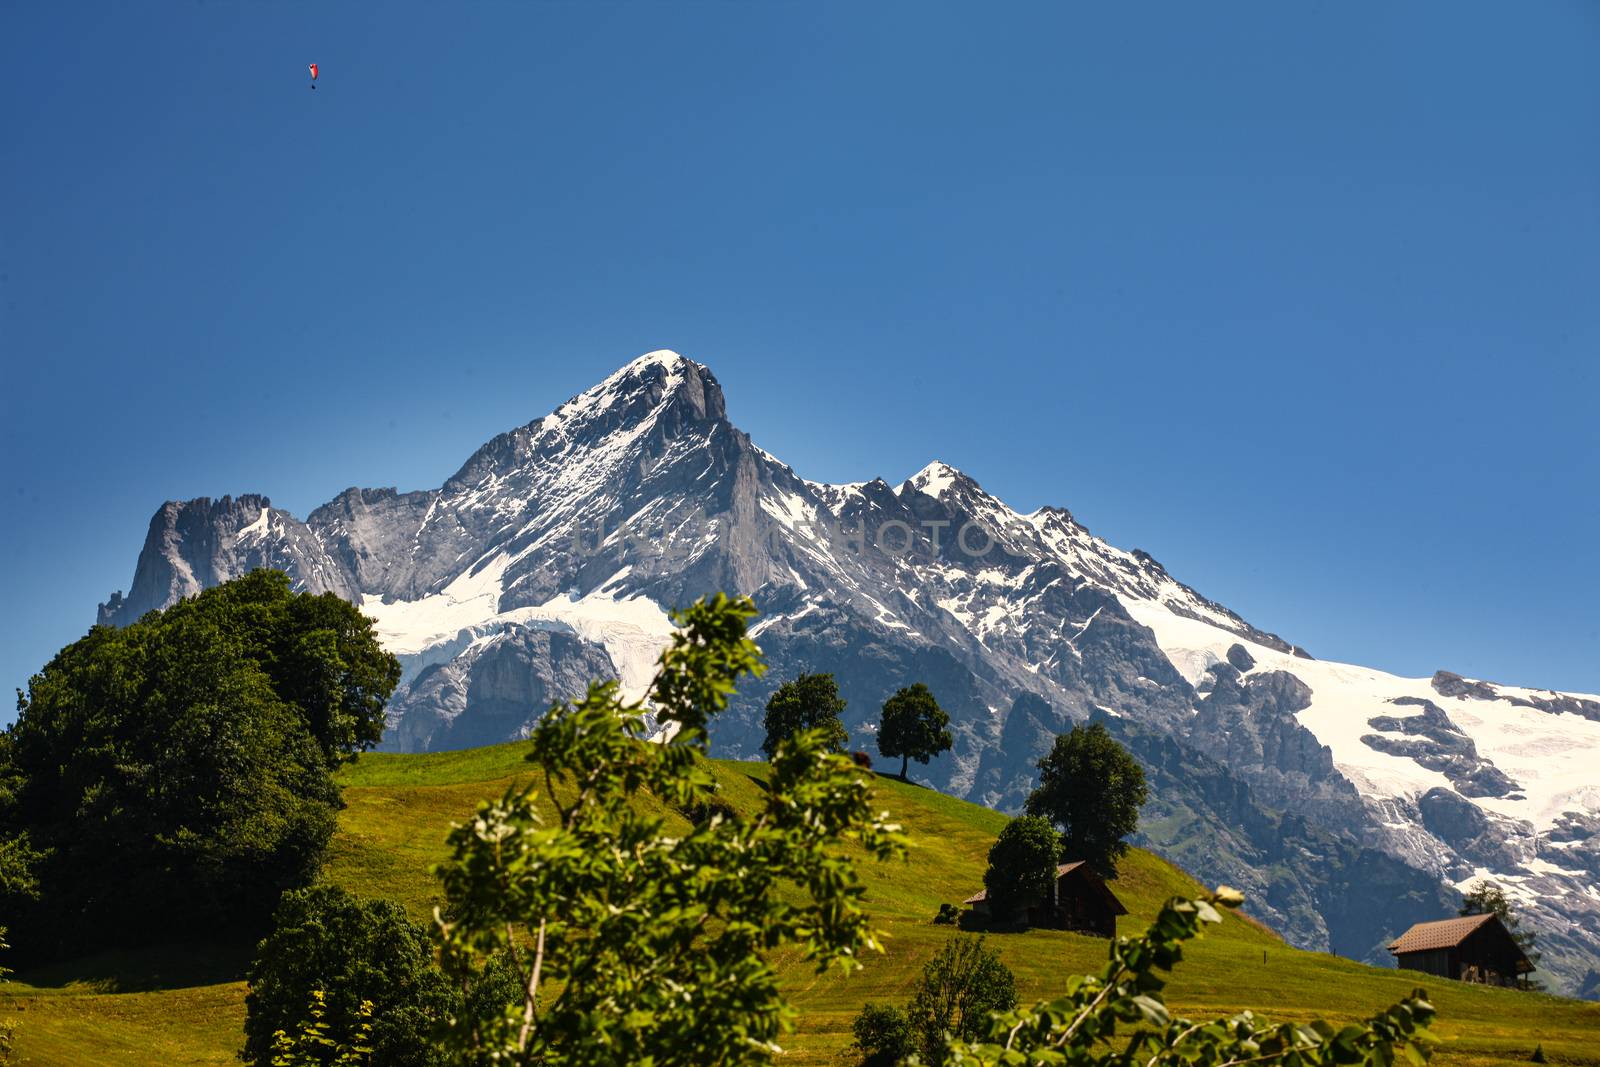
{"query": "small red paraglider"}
{"type": "Point", "coordinates": [313, 75]}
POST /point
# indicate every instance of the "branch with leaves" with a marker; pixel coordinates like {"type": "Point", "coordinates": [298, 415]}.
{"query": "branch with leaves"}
{"type": "Point", "coordinates": [314, 1044]}
{"type": "Point", "coordinates": [634, 943]}
{"type": "Point", "coordinates": [1083, 1026]}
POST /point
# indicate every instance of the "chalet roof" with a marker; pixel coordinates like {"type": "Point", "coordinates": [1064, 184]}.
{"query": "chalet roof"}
{"type": "Point", "coordinates": [1441, 933]}
{"type": "Point", "coordinates": [1061, 868]}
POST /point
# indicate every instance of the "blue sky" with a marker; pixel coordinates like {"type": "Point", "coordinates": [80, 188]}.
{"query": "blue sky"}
{"type": "Point", "coordinates": [1300, 298]}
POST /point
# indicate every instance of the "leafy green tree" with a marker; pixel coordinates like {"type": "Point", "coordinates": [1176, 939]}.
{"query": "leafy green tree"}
{"type": "Point", "coordinates": [810, 702]}
{"type": "Point", "coordinates": [635, 941]}
{"type": "Point", "coordinates": [1092, 788]}
{"type": "Point", "coordinates": [177, 773]}
{"type": "Point", "coordinates": [341, 952]}
{"type": "Point", "coordinates": [1081, 1028]}
{"type": "Point", "coordinates": [913, 727]}
{"type": "Point", "coordinates": [1486, 898]}
{"type": "Point", "coordinates": [882, 1035]}
{"type": "Point", "coordinates": [1022, 865]}
{"type": "Point", "coordinates": [960, 987]}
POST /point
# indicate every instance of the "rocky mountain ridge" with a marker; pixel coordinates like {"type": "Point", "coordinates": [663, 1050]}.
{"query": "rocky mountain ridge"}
{"type": "Point", "coordinates": [555, 551]}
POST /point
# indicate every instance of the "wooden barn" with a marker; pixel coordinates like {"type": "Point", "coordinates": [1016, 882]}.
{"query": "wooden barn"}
{"type": "Point", "coordinates": [1472, 948]}
{"type": "Point", "coordinates": [1079, 900]}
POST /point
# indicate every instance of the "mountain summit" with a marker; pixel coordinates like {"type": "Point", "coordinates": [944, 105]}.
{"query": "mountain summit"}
{"type": "Point", "coordinates": [1348, 802]}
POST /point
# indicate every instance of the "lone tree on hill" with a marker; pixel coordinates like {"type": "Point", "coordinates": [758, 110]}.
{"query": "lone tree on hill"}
{"type": "Point", "coordinates": [810, 702]}
{"type": "Point", "coordinates": [1022, 864]}
{"type": "Point", "coordinates": [1487, 898]}
{"type": "Point", "coordinates": [1092, 789]}
{"type": "Point", "coordinates": [914, 727]}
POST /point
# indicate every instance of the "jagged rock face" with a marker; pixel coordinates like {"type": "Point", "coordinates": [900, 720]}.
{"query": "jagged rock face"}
{"type": "Point", "coordinates": [1433, 741]}
{"type": "Point", "coordinates": [195, 544]}
{"type": "Point", "coordinates": [1453, 685]}
{"type": "Point", "coordinates": [1249, 723]}
{"type": "Point", "coordinates": [507, 679]}
{"type": "Point", "coordinates": [1332, 792]}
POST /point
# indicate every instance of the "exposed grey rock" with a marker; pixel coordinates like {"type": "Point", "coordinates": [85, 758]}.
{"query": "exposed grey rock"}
{"type": "Point", "coordinates": [195, 544]}
{"type": "Point", "coordinates": [1453, 685]}
{"type": "Point", "coordinates": [1448, 684]}
{"type": "Point", "coordinates": [1435, 742]}
{"type": "Point", "coordinates": [1240, 658]}
{"type": "Point", "coordinates": [1249, 724]}
{"type": "Point", "coordinates": [507, 679]}
{"type": "Point", "coordinates": [1315, 884]}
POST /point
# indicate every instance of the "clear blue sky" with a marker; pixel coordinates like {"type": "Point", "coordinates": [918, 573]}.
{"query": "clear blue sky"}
{"type": "Point", "coordinates": [1300, 298]}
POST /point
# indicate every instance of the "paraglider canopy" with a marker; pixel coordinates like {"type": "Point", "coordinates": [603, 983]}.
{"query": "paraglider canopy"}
{"type": "Point", "coordinates": [313, 75]}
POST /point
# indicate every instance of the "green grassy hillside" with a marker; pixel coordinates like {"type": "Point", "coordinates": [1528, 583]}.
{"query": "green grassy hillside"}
{"type": "Point", "coordinates": [185, 1005]}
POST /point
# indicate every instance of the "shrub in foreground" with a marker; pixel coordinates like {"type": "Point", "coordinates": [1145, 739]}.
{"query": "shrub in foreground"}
{"type": "Point", "coordinates": [883, 1035]}
{"type": "Point", "coordinates": [960, 987]}
{"type": "Point", "coordinates": [340, 952]}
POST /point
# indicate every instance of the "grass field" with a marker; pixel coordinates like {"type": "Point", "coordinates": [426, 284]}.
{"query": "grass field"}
{"type": "Point", "coordinates": [185, 1005]}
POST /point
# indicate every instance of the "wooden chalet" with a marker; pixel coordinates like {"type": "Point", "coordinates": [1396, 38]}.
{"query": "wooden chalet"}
{"type": "Point", "coordinates": [1078, 900]}
{"type": "Point", "coordinates": [1472, 948]}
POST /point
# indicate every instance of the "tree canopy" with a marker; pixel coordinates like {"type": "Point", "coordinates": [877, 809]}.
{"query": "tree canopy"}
{"type": "Point", "coordinates": [178, 771]}
{"type": "Point", "coordinates": [913, 727]}
{"type": "Point", "coordinates": [809, 702]}
{"type": "Point", "coordinates": [1022, 865]}
{"type": "Point", "coordinates": [1092, 788]}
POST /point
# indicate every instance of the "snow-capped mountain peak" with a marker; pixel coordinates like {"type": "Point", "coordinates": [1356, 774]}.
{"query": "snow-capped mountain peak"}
{"type": "Point", "coordinates": [934, 479]}
{"type": "Point", "coordinates": [554, 553]}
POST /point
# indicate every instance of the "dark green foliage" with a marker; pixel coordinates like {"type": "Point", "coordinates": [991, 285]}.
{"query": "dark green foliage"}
{"type": "Point", "coordinates": [349, 951]}
{"type": "Point", "coordinates": [1538, 1055]}
{"type": "Point", "coordinates": [322, 657]}
{"type": "Point", "coordinates": [1092, 789]}
{"type": "Point", "coordinates": [883, 1035]}
{"type": "Point", "coordinates": [810, 702]}
{"type": "Point", "coordinates": [948, 915]}
{"type": "Point", "coordinates": [634, 941]}
{"type": "Point", "coordinates": [960, 987]}
{"type": "Point", "coordinates": [1123, 1006]}
{"type": "Point", "coordinates": [1022, 865]}
{"type": "Point", "coordinates": [175, 775]}
{"type": "Point", "coordinates": [913, 727]}
{"type": "Point", "coordinates": [1487, 898]}
{"type": "Point", "coordinates": [19, 871]}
